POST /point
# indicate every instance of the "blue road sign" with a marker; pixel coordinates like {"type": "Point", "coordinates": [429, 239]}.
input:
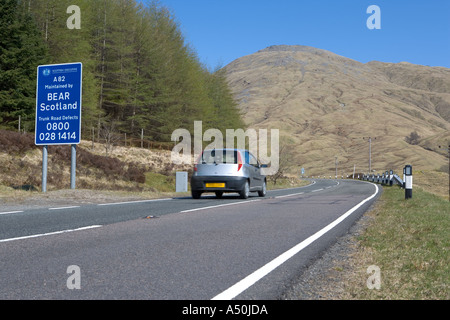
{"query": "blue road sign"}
{"type": "Point", "coordinates": [58, 104]}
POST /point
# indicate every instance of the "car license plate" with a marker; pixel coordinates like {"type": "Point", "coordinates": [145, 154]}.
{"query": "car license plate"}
{"type": "Point", "coordinates": [215, 185]}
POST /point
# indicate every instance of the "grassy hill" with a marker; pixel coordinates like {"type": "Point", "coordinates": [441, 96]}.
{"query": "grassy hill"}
{"type": "Point", "coordinates": [327, 106]}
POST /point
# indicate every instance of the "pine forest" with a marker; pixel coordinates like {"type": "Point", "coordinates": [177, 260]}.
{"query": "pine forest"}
{"type": "Point", "coordinates": [140, 77]}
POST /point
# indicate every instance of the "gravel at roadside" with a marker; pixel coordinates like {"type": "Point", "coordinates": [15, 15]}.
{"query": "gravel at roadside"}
{"type": "Point", "coordinates": [326, 278]}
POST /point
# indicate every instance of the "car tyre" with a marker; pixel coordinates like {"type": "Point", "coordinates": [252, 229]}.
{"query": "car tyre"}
{"type": "Point", "coordinates": [263, 191]}
{"type": "Point", "coordinates": [245, 191]}
{"type": "Point", "coordinates": [196, 194]}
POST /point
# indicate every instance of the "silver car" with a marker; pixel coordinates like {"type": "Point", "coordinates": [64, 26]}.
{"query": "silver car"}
{"type": "Point", "coordinates": [228, 170]}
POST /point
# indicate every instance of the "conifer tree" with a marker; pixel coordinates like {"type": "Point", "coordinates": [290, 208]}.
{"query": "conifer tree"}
{"type": "Point", "coordinates": [21, 51]}
{"type": "Point", "coordinates": [138, 71]}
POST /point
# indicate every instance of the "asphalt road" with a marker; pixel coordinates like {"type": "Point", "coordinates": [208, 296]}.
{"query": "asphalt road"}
{"type": "Point", "coordinates": [176, 249]}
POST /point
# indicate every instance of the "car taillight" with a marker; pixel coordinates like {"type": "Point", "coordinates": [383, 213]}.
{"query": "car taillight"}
{"type": "Point", "coordinates": [239, 161]}
{"type": "Point", "coordinates": [195, 168]}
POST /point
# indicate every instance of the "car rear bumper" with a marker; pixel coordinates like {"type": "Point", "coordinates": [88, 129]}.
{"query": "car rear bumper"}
{"type": "Point", "coordinates": [232, 184]}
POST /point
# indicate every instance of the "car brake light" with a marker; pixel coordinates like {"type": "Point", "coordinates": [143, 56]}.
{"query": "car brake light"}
{"type": "Point", "coordinates": [239, 161]}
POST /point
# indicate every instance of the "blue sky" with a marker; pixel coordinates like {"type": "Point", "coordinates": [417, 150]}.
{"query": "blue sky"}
{"type": "Point", "coordinates": [220, 31]}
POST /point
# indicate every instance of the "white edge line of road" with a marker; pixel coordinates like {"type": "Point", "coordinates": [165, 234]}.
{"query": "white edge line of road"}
{"type": "Point", "coordinates": [251, 279]}
{"type": "Point", "coordinates": [50, 233]}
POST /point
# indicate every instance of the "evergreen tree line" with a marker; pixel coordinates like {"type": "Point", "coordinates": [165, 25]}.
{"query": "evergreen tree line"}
{"type": "Point", "coordinates": [139, 75]}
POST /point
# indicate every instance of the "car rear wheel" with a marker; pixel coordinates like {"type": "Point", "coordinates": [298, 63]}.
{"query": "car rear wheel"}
{"type": "Point", "coordinates": [245, 191]}
{"type": "Point", "coordinates": [196, 194]}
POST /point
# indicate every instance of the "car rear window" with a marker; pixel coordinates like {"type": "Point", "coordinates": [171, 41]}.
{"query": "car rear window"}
{"type": "Point", "coordinates": [220, 156]}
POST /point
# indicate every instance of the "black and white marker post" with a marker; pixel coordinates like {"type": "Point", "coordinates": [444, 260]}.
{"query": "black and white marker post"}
{"type": "Point", "coordinates": [403, 185]}
{"type": "Point", "coordinates": [408, 182]}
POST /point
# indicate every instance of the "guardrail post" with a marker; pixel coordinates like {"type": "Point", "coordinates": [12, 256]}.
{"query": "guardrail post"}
{"type": "Point", "coordinates": [408, 181]}
{"type": "Point", "coordinates": [391, 176]}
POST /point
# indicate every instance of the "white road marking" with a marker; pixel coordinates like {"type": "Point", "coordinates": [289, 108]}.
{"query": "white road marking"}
{"type": "Point", "coordinates": [131, 202]}
{"type": "Point", "coordinates": [289, 195]}
{"type": "Point", "coordinates": [317, 190]}
{"type": "Point", "coordinates": [62, 208]}
{"type": "Point", "coordinates": [219, 205]}
{"type": "Point", "coordinates": [50, 233]}
{"type": "Point", "coordinates": [251, 279]}
{"type": "Point", "coordinates": [10, 212]}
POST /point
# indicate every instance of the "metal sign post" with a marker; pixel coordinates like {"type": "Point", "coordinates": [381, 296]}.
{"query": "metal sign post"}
{"type": "Point", "coordinates": [58, 110]}
{"type": "Point", "coordinates": [73, 166]}
{"type": "Point", "coordinates": [44, 168]}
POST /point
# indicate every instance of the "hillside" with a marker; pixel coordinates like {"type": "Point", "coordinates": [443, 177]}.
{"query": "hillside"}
{"type": "Point", "coordinates": [327, 106]}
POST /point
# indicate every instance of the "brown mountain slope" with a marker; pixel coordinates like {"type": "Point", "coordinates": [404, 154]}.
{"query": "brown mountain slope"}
{"type": "Point", "coordinates": [326, 106]}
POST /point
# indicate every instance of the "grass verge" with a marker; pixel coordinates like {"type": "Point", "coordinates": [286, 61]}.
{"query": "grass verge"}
{"type": "Point", "coordinates": [409, 242]}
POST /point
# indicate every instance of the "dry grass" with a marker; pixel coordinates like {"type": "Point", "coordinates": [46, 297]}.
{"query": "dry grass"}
{"type": "Point", "coordinates": [124, 169]}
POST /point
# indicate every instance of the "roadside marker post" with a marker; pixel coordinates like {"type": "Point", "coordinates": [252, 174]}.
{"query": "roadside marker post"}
{"type": "Point", "coordinates": [404, 179]}
{"type": "Point", "coordinates": [408, 181]}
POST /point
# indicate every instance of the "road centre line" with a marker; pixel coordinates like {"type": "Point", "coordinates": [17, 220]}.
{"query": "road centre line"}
{"type": "Point", "coordinates": [62, 208]}
{"type": "Point", "coordinates": [257, 275]}
{"type": "Point", "coordinates": [50, 233]}
{"type": "Point", "coordinates": [132, 202]}
{"type": "Point", "coordinates": [308, 185]}
{"type": "Point", "coordinates": [317, 190]}
{"type": "Point", "coordinates": [10, 212]}
{"type": "Point", "coordinates": [219, 205]}
{"type": "Point", "coordinates": [289, 195]}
